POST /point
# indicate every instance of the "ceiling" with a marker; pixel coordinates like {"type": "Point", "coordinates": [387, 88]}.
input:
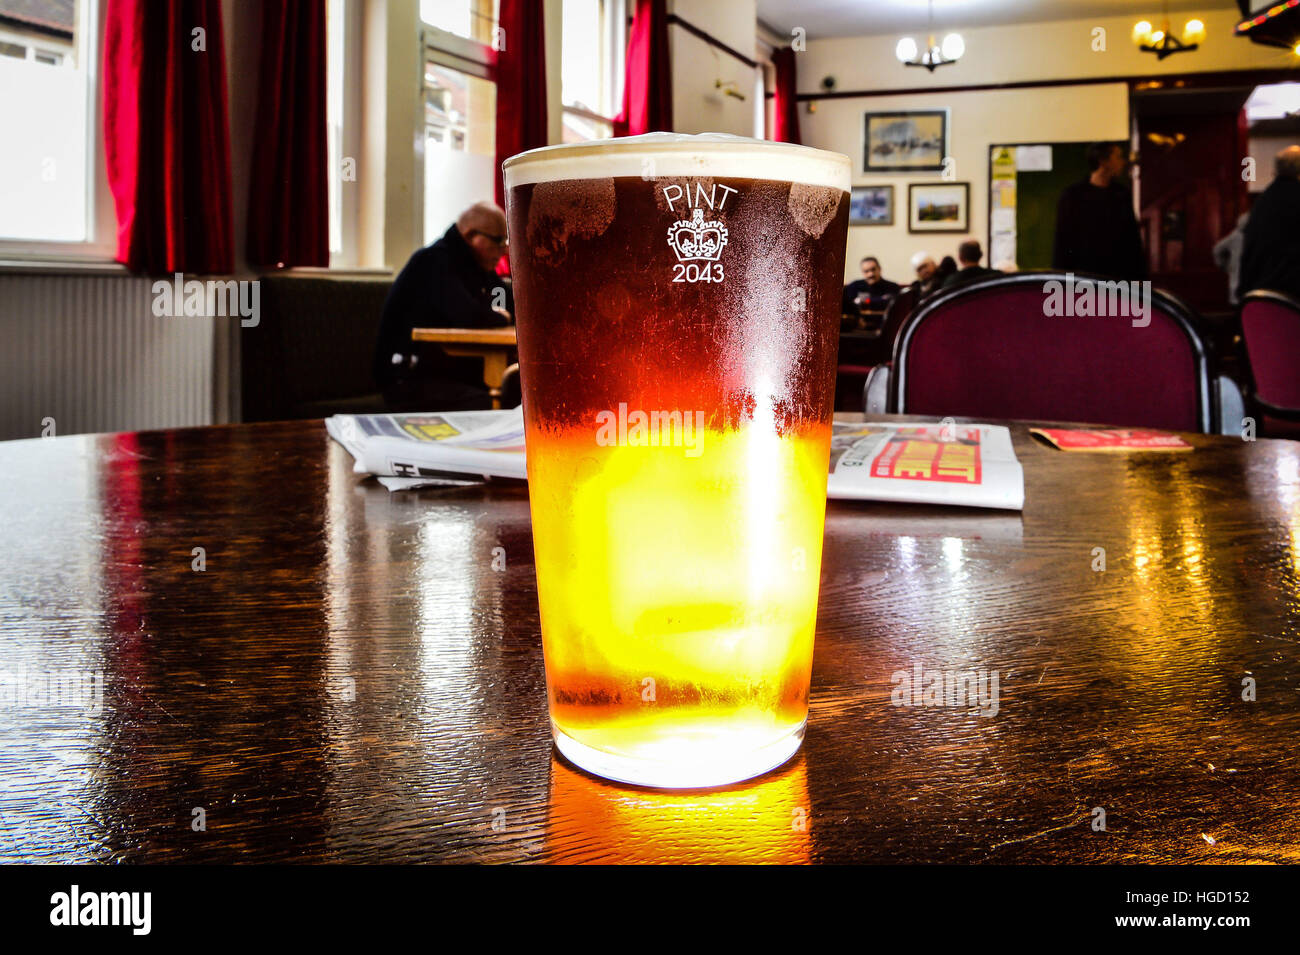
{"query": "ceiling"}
{"type": "Point", "coordinates": [827, 18]}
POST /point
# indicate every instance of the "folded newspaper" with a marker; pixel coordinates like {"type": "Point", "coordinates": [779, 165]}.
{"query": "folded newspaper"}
{"type": "Point", "coordinates": [423, 450]}
{"type": "Point", "coordinates": [970, 465]}
{"type": "Point", "coordinates": [964, 465]}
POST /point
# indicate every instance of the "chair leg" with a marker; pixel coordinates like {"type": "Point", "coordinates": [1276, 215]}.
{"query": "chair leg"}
{"type": "Point", "coordinates": [875, 394]}
{"type": "Point", "coordinates": [1232, 407]}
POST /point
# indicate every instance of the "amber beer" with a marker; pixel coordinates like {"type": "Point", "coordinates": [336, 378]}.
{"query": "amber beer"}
{"type": "Point", "coordinates": [678, 315]}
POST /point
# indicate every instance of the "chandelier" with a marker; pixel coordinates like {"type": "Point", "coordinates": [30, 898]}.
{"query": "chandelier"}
{"type": "Point", "coordinates": [935, 54]}
{"type": "Point", "coordinates": [1163, 42]}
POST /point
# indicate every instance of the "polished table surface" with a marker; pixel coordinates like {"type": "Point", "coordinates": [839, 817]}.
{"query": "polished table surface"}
{"type": "Point", "coordinates": [345, 674]}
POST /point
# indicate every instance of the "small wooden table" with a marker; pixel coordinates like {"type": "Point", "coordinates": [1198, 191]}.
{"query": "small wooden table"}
{"type": "Point", "coordinates": [493, 345]}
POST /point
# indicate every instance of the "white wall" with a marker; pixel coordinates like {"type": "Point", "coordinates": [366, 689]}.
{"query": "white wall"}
{"type": "Point", "coordinates": [1026, 53]}
{"type": "Point", "coordinates": [698, 106]}
{"type": "Point", "coordinates": [976, 121]}
{"type": "Point", "coordinates": [1033, 52]}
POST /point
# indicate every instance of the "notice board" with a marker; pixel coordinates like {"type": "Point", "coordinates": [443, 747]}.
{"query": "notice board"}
{"type": "Point", "coordinates": [1025, 182]}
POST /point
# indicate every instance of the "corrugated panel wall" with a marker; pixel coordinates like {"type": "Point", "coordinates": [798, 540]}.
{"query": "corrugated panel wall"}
{"type": "Point", "coordinates": [88, 352]}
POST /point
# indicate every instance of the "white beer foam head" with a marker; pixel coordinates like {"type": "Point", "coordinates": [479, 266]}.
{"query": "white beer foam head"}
{"type": "Point", "coordinates": [675, 155]}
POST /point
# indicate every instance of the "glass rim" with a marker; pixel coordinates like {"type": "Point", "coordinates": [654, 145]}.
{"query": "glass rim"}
{"type": "Point", "coordinates": [681, 154]}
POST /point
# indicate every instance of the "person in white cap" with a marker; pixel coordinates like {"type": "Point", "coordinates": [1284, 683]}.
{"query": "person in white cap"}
{"type": "Point", "coordinates": [926, 274]}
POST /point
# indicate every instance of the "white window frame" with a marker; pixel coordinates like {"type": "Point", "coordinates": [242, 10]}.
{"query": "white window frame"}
{"type": "Point", "coordinates": [456, 53]}
{"type": "Point", "coordinates": [349, 145]}
{"type": "Point", "coordinates": [614, 28]}
{"type": "Point", "coordinates": [100, 245]}
{"type": "Point", "coordinates": [764, 84]}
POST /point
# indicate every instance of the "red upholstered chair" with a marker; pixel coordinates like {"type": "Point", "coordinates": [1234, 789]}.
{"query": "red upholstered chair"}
{"type": "Point", "coordinates": [1270, 325]}
{"type": "Point", "coordinates": [876, 389]}
{"type": "Point", "coordinates": [994, 350]}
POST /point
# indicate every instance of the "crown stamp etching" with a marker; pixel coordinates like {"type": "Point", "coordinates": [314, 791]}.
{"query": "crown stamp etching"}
{"type": "Point", "coordinates": [695, 240]}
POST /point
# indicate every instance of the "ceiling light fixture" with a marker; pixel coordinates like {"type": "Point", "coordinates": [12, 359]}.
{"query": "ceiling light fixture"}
{"type": "Point", "coordinates": [935, 54]}
{"type": "Point", "coordinates": [1163, 42]}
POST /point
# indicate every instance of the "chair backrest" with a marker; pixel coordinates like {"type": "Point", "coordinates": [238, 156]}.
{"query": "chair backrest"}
{"type": "Point", "coordinates": [899, 309]}
{"type": "Point", "coordinates": [315, 342]}
{"type": "Point", "coordinates": [1270, 325]}
{"type": "Point", "coordinates": [1032, 346]}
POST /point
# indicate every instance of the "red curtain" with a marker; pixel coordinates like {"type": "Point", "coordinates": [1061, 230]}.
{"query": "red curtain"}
{"type": "Point", "coordinates": [288, 197]}
{"type": "Point", "coordinates": [648, 86]}
{"type": "Point", "coordinates": [167, 135]}
{"type": "Point", "coordinates": [521, 82]}
{"type": "Point", "coordinates": [785, 109]}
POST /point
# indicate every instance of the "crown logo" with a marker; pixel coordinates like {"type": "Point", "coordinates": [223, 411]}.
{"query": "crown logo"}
{"type": "Point", "coordinates": [697, 240]}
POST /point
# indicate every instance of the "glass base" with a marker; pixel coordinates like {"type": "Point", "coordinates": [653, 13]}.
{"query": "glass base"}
{"type": "Point", "coordinates": [702, 770]}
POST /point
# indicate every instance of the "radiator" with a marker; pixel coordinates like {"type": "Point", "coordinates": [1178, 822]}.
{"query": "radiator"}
{"type": "Point", "coordinates": [88, 353]}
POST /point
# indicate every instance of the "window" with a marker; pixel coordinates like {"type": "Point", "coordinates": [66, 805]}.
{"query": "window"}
{"type": "Point", "coordinates": [335, 68]}
{"type": "Point", "coordinates": [595, 38]}
{"type": "Point", "coordinates": [343, 128]}
{"type": "Point", "coordinates": [460, 107]}
{"type": "Point", "coordinates": [52, 198]}
{"type": "Point", "coordinates": [764, 83]}
{"type": "Point", "coordinates": [469, 19]}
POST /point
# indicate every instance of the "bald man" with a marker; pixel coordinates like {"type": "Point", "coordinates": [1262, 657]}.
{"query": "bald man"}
{"type": "Point", "coordinates": [449, 284]}
{"type": "Point", "coordinates": [1270, 254]}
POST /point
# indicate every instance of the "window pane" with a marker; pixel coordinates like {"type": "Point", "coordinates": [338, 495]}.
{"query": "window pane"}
{"type": "Point", "coordinates": [468, 18]}
{"type": "Point", "coordinates": [580, 129]}
{"type": "Point", "coordinates": [459, 144]}
{"type": "Point", "coordinates": [43, 163]}
{"type": "Point", "coordinates": [334, 118]}
{"type": "Point", "coordinates": [583, 74]}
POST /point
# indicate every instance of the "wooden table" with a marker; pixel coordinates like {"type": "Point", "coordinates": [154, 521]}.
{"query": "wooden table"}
{"type": "Point", "coordinates": [493, 345]}
{"type": "Point", "coordinates": [357, 675]}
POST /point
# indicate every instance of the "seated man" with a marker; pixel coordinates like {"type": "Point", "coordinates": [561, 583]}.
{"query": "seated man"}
{"type": "Point", "coordinates": [969, 254]}
{"type": "Point", "coordinates": [872, 292]}
{"type": "Point", "coordinates": [928, 278]}
{"type": "Point", "coordinates": [449, 284]}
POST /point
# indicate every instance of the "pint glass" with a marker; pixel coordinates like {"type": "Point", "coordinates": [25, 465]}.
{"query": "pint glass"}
{"type": "Point", "coordinates": [678, 304]}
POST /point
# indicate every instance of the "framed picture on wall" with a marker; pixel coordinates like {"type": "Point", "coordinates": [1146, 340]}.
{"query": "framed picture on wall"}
{"type": "Point", "coordinates": [871, 205]}
{"type": "Point", "coordinates": [912, 141]}
{"type": "Point", "coordinates": [938, 207]}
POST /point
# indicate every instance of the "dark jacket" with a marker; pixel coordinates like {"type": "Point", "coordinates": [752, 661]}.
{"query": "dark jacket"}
{"type": "Point", "coordinates": [1270, 255]}
{"type": "Point", "coordinates": [879, 295]}
{"type": "Point", "coordinates": [442, 286]}
{"type": "Point", "coordinates": [970, 273]}
{"type": "Point", "coordinates": [1097, 232]}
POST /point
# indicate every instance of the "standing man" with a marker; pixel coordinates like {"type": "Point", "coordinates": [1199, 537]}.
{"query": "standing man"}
{"type": "Point", "coordinates": [1096, 230]}
{"type": "Point", "coordinates": [1270, 255]}
{"type": "Point", "coordinates": [872, 292]}
{"type": "Point", "coordinates": [449, 284]}
{"type": "Point", "coordinates": [1227, 256]}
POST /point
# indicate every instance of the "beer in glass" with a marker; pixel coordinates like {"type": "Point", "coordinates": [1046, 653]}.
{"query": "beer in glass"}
{"type": "Point", "coordinates": [678, 304]}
